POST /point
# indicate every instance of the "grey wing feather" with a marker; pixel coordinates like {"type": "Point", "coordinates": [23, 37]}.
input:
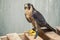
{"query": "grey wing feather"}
{"type": "Point", "coordinates": [38, 17]}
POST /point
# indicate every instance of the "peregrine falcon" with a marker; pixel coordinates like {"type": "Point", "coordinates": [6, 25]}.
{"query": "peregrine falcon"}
{"type": "Point", "coordinates": [36, 18]}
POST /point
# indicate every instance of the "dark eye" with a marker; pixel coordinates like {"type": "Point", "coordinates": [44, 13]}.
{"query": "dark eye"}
{"type": "Point", "coordinates": [25, 7]}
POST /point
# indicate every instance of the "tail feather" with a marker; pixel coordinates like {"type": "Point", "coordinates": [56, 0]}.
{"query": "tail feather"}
{"type": "Point", "coordinates": [50, 28]}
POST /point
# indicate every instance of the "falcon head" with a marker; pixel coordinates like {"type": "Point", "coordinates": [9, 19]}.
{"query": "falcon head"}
{"type": "Point", "coordinates": [28, 8]}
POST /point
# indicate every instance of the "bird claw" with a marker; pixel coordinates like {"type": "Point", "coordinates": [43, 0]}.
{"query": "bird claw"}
{"type": "Point", "coordinates": [32, 32]}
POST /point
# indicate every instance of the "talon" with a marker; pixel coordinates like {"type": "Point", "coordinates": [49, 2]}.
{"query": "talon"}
{"type": "Point", "coordinates": [32, 32]}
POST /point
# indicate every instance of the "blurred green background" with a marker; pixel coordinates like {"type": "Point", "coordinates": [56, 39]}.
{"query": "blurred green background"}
{"type": "Point", "coordinates": [12, 18]}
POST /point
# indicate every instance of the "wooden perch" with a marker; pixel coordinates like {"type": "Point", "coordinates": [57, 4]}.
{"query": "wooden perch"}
{"type": "Point", "coordinates": [32, 37]}
{"type": "Point", "coordinates": [42, 36]}
{"type": "Point", "coordinates": [23, 36]}
{"type": "Point", "coordinates": [3, 38]}
{"type": "Point", "coordinates": [58, 30]}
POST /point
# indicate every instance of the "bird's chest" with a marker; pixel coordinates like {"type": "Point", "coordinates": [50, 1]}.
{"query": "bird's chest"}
{"type": "Point", "coordinates": [29, 16]}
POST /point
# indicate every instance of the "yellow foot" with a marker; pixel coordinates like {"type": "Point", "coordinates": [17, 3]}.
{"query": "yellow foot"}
{"type": "Point", "coordinates": [32, 33]}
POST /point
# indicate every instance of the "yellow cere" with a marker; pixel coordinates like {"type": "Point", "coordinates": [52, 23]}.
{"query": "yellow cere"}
{"type": "Point", "coordinates": [32, 32]}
